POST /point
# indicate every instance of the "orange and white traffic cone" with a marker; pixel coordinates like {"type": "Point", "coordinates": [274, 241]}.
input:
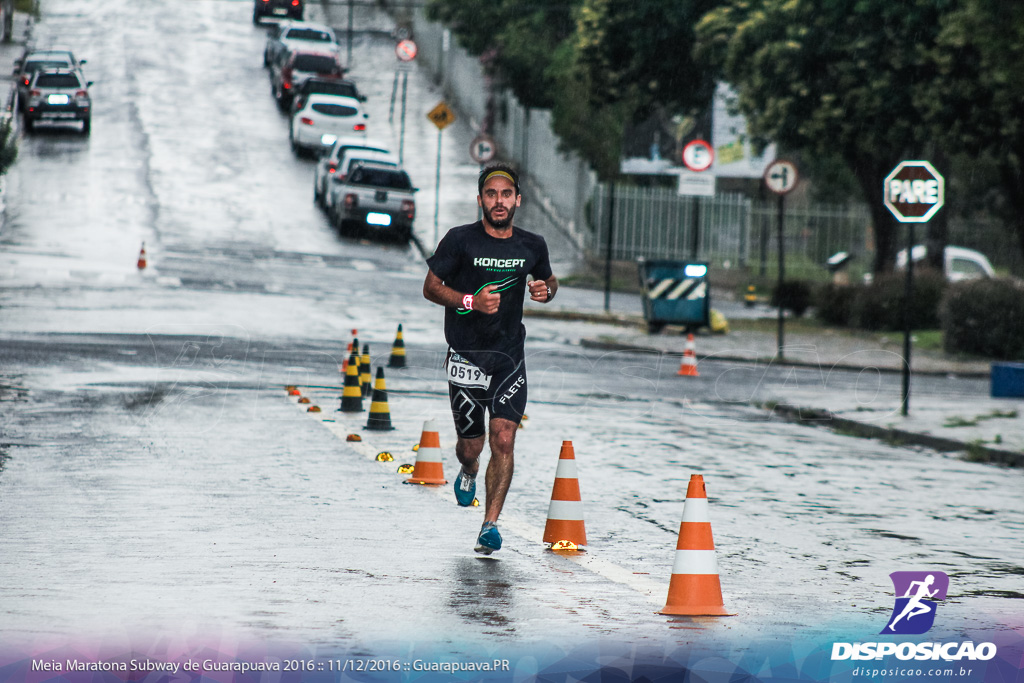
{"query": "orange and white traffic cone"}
{"type": "Point", "coordinates": [695, 589]}
{"type": "Point", "coordinates": [142, 262]}
{"type": "Point", "coordinates": [429, 469]}
{"type": "Point", "coordinates": [565, 529]}
{"type": "Point", "coordinates": [688, 368]}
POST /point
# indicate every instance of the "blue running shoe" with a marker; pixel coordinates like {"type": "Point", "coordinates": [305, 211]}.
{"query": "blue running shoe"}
{"type": "Point", "coordinates": [465, 489]}
{"type": "Point", "coordinates": [489, 539]}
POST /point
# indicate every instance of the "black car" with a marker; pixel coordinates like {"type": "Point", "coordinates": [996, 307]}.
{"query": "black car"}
{"type": "Point", "coordinates": [59, 96]}
{"type": "Point", "coordinates": [282, 9]}
{"type": "Point", "coordinates": [325, 86]}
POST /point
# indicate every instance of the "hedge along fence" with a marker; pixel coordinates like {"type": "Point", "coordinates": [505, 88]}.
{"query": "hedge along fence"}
{"type": "Point", "coordinates": [985, 318]}
{"type": "Point", "coordinates": [879, 306]}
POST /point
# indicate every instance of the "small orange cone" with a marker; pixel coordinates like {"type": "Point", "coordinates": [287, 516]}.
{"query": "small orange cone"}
{"type": "Point", "coordinates": [688, 368]}
{"type": "Point", "coordinates": [695, 589]}
{"type": "Point", "coordinates": [565, 513]}
{"type": "Point", "coordinates": [142, 257]}
{"type": "Point", "coordinates": [429, 468]}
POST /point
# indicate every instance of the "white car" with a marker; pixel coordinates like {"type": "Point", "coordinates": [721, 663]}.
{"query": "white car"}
{"type": "Point", "coordinates": [329, 162]}
{"type": "Point", "coordinates": [289, 36]}
{"type": "Point", "coordinates": [959, 263]}
{"type": "Point", "coordinates": [325, 118]}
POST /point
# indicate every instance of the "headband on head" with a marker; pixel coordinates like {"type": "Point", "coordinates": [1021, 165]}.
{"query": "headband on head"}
{"type": "Point", "coordinates": [502, 174]}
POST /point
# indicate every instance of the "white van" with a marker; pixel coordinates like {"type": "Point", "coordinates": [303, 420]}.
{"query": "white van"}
{"type": "Point", "coordinates": [960, 263]}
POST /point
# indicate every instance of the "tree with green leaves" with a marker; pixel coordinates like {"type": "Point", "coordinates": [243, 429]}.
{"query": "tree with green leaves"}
{"type": "Point", "coordinates": [978, 104]}
{"type": "Point", "coordinates": [838, 78]}
{"type": "Point", "coordinates": [516, 39]}
{"type": "Point", "coordinates": [628, 60]}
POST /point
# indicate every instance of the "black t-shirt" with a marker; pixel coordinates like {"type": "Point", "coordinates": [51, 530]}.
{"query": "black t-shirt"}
{"type": "Point", "coordinates": [468, 259]}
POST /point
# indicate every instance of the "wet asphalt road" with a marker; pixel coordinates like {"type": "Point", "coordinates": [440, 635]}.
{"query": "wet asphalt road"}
{"type": "Point", "coordinates": [157, 483]}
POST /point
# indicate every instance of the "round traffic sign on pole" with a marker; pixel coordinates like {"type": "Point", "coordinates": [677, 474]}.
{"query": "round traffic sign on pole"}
{"type": "Point", "coordinates": [780, 177]}
{"type": "Point", "coordinates": [482, 149]}
{"type": "Point", "coordinates": [698, 155]}
{"type": "Point", "coordinates": [405, 50]}
{"type": "Point", "coordinates": [914, 191]}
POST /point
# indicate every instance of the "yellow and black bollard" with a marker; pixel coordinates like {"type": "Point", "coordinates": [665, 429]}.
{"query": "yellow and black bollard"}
{"type": "Point", "coordinates": [364, 371]}
{"type": "Point", "coordinates": [397, 359]}
{"type": "Point", "coordinates": [380, 414]}
{"type": "Point", "coordinates": [351, 395]}
{"type": "Point", "coordinates": [750, 298]}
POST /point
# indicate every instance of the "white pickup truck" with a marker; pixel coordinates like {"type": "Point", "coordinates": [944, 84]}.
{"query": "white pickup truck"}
{"type": "Point", "coordinates": [375, 198]}
{"type": "Point", "coordinates": [959, 263]}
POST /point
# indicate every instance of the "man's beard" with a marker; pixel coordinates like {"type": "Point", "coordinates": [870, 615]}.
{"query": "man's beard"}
{"type": "Point", "coordinates": [502, 223]}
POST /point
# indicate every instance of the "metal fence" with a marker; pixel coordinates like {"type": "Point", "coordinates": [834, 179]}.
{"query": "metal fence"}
{"type": "Point", "coordinates": [727, 230]}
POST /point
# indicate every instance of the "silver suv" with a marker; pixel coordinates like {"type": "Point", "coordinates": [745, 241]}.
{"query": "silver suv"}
{"type": "Point", "coordinates": [56, 96]}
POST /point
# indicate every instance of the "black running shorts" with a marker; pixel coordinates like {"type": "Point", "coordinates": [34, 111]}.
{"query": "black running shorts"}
{"type": "Point", "coordinates": [473, 394]}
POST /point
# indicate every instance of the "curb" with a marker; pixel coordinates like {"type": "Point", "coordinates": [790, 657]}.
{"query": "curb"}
{"type": "Point", "coordinates": [823, 418]}
{"type": "Point", "coordinates": [609, 318]}
{"type": "Point", "coordinates": [771, 360]}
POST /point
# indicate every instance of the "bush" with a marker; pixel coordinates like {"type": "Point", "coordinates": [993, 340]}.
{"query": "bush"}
{"type": "Point", "coordinates": [795, 296]}
{"type": "Point", "coordinates": [833, 303]}
{"type": "Point", "coordinates": [984, 317]}
{"type": "Point", "coordinates": [879, 306]}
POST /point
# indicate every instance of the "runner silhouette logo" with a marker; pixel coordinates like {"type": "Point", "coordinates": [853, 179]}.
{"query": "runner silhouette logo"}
{"type": "Point", "coordinates": [916, 596]}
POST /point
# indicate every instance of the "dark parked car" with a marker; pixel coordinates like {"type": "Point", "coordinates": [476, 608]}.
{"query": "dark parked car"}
{"type": "Point", "coordinates": [40, 60]}
{"type": "Point", "coordinates": [324, 86]}
{"type": "Point", "coordinates": [289, 73]}
{"type": "Point", "coordinates": [282, 9]}
{"type": "Point", "coordinates": [58, 96]}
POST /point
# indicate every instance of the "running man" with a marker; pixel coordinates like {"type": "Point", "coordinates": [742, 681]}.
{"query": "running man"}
{"type": "Point", "coordinates": [914, 606]}
{"type": "Point", "coordinates": [479, 274]}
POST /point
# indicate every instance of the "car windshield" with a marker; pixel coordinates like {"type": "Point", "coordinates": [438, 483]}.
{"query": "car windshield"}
{"type": "Point", "coordinates": [333, 109]}
{"type": "Point", "coordinates": [57, 81]}
{"type": "Point", "coordinates": [333, 88]}
{"type": "Point", "coordinates": [45, 64]}
{"type": "Point", "coordinates": [320, 64]}
{"type": "Point", "coordinates": [308, 34]}
{"type": "Point", "coordinates": [381, 177]}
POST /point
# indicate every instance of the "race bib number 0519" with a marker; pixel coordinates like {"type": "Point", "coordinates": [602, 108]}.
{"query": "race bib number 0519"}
{"type": "Point", "coordinates": [462, 373]}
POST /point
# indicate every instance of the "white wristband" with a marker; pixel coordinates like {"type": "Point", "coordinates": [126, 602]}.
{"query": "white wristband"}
{"type": "Point", "coordinates": [467, 302]}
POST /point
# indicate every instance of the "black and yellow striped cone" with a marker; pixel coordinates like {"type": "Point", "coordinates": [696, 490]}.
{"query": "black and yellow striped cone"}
{"type": "Point", "coordinates": [351, 395]}
{"type": "Point", "coordinates": [364, 371]}
{"type": "Point", "coordinates": [380, 414]}
{"type": "Point", "coordinates": [397, 359]}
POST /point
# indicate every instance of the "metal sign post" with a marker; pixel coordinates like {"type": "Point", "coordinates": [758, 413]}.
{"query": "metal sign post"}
{"type": "Point", "coordinates": [780, 177]}
{"type": "Point", "coordinates": [442, 117]}
{"type": "Point", "coordinates": [698, 156]}
{"type": "Point", "coordinates": [405, 51]}
{"type": "Point", "coordinates": [914, 192]}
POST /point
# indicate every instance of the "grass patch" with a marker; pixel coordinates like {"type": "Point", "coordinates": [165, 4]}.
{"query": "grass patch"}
{"type": "Point", "coordinates": [976, 452]}
{"type": "Point", "coordinates": [926, 340]}
{"type": "Point", "coordinates": [958, 421]}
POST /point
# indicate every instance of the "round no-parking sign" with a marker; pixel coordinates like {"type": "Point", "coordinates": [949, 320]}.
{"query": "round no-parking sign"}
{"type": "Point", "coordinates": [698, 155]}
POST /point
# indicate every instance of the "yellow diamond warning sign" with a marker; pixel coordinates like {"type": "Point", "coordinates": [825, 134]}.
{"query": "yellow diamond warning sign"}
{"type": "Point", "coordinates": [442, 116]}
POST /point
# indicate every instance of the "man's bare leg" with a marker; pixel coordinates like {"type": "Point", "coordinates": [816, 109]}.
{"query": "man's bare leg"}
{"type": "Point", "coordinates": [498, 477]}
